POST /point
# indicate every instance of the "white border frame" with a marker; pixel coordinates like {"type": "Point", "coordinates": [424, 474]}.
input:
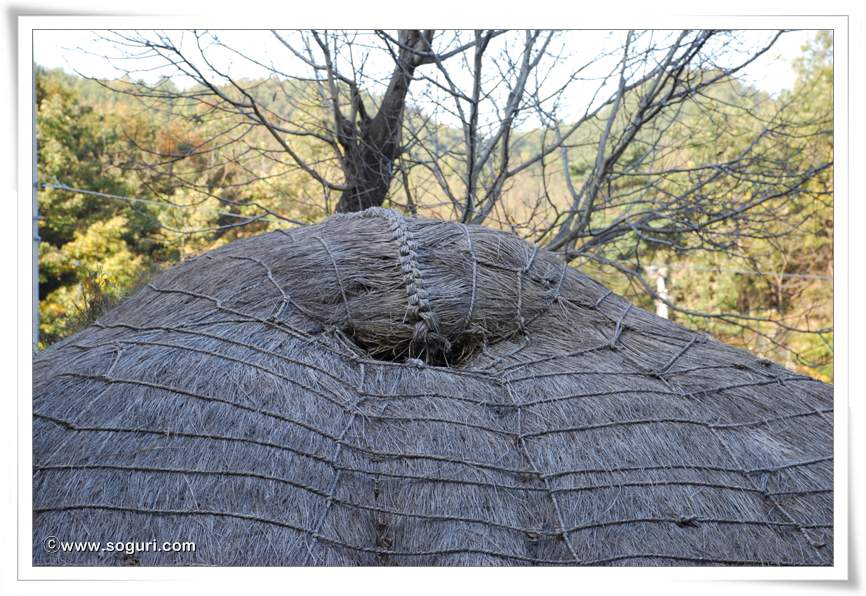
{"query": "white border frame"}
{"type": "Point", "coordinates": [598, 577]}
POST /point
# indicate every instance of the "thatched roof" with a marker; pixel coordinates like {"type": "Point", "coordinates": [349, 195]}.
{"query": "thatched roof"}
{"type": "Point", "coordinates": [399, 391]}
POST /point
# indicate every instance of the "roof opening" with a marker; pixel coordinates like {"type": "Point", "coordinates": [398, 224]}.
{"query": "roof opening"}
{"type": "Point", "coordinates": [430, 348]}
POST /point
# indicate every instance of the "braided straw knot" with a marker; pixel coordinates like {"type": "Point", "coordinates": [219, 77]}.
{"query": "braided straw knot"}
{"type": "Point", "coordinates": [426, 336]}
{"type": "Point", "coordinates": [424, 292]}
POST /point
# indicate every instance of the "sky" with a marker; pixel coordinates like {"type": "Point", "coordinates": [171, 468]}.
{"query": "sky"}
{"type": "Point", "coordinates": [63, 49]}
{"type": "Point", "coordinates": [87, 51]}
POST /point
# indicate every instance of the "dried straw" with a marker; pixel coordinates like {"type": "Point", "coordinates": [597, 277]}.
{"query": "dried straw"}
{"type": "Point", "coordinates": [382, 390]}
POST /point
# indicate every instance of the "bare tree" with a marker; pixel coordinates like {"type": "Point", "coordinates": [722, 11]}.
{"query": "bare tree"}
{"type": "Point", "coordinates": [363, 131]}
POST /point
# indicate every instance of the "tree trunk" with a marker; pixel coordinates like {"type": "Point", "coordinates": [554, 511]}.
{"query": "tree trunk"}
{"type": "Point", "coordinates": [372, 147]}
{"type": "Point", "coordinates": [370, 169]}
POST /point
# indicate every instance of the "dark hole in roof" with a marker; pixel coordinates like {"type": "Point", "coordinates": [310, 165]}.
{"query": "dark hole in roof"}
{"type": "Point", "coordinates": [435, 351]}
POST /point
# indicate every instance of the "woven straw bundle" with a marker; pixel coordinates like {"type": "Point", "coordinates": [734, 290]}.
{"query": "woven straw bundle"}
{"type": "Point", "coordinates": [384, 390]}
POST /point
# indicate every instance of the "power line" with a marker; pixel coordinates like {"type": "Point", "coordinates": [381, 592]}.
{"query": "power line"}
{"type": "Point", "coordinates": [248, 219]}
{"type": "Point", "coordinates": [106, 195]}
{"type": "Point", "coordinates": [267, 215]}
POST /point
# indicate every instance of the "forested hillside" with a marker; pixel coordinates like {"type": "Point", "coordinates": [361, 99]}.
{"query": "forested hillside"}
{"type": "Point", "coordinates": [130, 187]}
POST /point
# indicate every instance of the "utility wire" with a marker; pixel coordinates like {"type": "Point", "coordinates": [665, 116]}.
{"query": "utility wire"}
{"type": "Point", "coordinates": [115, 197]}
{"type": "Point", "coordinates": [105, 195]}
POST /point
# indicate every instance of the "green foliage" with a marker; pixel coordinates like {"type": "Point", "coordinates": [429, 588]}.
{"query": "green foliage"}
{"type": "Point", "coordinates": [176, 188]}
{"type": "Point", "coordinates": [87, 242]}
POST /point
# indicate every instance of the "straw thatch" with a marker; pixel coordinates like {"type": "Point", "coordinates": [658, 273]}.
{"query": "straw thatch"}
{"type": "Point", "coordinates": [381, 390]}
